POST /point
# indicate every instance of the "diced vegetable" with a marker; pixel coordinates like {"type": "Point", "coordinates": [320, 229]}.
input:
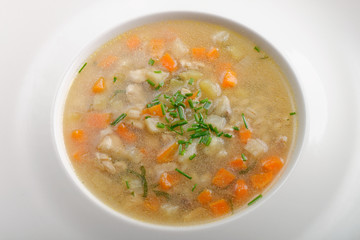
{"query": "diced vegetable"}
{"type": "Point", "coordinates": [222, 106]}
{"type": "Point", "coordinates": [216, 121]}
{"type": "Point", "coordinates": [136, 76]}
{"type": "Point", "coordinates": [238, 164]}
{"type": "Point", "coordinates": [167, 180]}
{"type": "Point", "coordinates": [99, 85]}
{"type": "Point", "coordinates": [259, 181]}
{"type": "Point", "coordinates": [220, 207]}
{"type": "Point", "coordinates": [256, 147]}
{"type": "Point", "coordinates": [213, 54]}
{"type": "Point", "coordinates": [151, 125]}
{"type": "Point", "coordinates": [112, 145]}
{"type": "Point", "coordinates": [100, 102]}
{"type": "Point", "coordinates": [97, 120]}
{"type": "Point", "coordinates": [245, 135]}
{"type": "Point", "coordinates": [199, 53]}
{"type": "Point", "coordinates": [125, 133]}
{"type": "Point", "coordinates": [223, 178]}
{"type": "Point", "coordinates": [205, 197]}
{"type": "Point", "coordinates": [152, 203]}
{"type": "Point", "coordinates": [168, 62]}
{"type": "Point", "coordinates": [154, 111]}
{"type": "Point", "coordinates": [191, 74]}
{"type": "Point", "coordinates": [179, 49]}
{"type": "Point", "coordinates": [78, 155]}
{"type": "Point", "coordinates": [167, 155]}
{"type": "Point", "coordinates": [107, 61]}
{"type": "Point", "coordinates": [136, 94]}
{"type": "Point", "coordinates": [241, 190]}
{"type": "Point", "coordinates": [272, 164]}
{"type": "Point", "coordinates": [157, 78]}
{"type": "Point", "coordinates": [220, 37]}
{"type": "Point", "coordinates": [215, 147]}
{"type": "Point", "coordinates": [229, 79]}
{"type": "Point", "coordinates": [78, 135]}
{"type": "Point", "coordinates": [133, 42]}
{"type": "Point", "coordinates": [210, 89]}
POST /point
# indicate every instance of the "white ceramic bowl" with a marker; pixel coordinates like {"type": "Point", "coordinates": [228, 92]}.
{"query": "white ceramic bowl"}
{"type": "Point", "coordinates": [70, 73]}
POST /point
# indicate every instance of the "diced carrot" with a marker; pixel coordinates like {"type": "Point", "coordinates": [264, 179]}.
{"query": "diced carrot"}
{"type": "Point", "coordinates": [245, 135]}
{"type": "Point", "coordinates": [167, 180]}
{"type": "Point", "coordinates": [78, 155]}
{"type": "Point", "coordinates": [241, 189]}
{"type": "Point", "coordinates": [229, 79]}
{"type": "Point", "coordinates": [213, 54]}
{"type": "Point", "coordinates": [199, 53]}
{"type": "Point", "coordinates": [133, 42]}
{"type": "Point", "coordinates": [99, 85]}
{"type": "Point", "coordinates": [125, 133]}
{"type": "Point", "coordinates": [78, 135]}
{"type": "Point", "coordinates": [195, 95]}
{"type": "Point", "coordinates": [152, 203]}
{"type": "Point", "coordinates": [272, 164]}
{"type": "Point", "coordinates": [156, 46]}
{"type": "Point", "coordinates": [223, 178]}
{"type": "Point", "coordinates": [168, 153]}
{"type": "Point", "coordinates": [107, 61]}
{"type": "Point", "coordinates": [168, 62]}
{"type": "Point", "coordinates": [154, 111]}
{"type": "Point", "coordinates": [220, 207]}
{"type": "Point", "coordinates": [97, 120]}
{"type": "Point", "coordinates": [205, 197]}
{"type": "Point", "coordinates": [259, 181]}
{"type": "Point", "coordinates": [238, 164]}
{"type": "Point", "coordinates": [143, 151]}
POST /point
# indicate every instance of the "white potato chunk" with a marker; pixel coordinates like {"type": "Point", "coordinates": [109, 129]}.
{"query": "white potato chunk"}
{"type": "Point", "coordinates": [191, 64]}
{"type": "Point", "coordinates": [216, 121]}
{"type": "Point", "coordinates": [151, 123]}
{"type": "Point", "coordinates": [256, 147]}
{"type": "Point", "coordinates": [189, 151]}
{"type": "Point", "coordinates": [102, 156]}
{"type": "Point", "coordinates": [106, 131]}
{"type": "Point", "coordinates": [99, 102]}
{"type": "Point", "coordinates": [220, 37]}
{"type": "Point", "coordinates": [109, 167]}
{"type": "Point", "coordinates": [216, 145]}
{"type": "Point", "coordinates": [113, 146]}
{"type": "Point", "coordinates": [191, 74]}
{"type": "Point", "coordinates": [133, 113]}
{"type": "Point", "coordinates": [210, 89]}
{"type": "Point", "coordinates": [136, 76]}
{"type": "Point", "coordinates": [222, 106]}
{"type": "Point", "coordinates": [136, 95]}
{"type": "Point", "coordinates": [157, 77]}
{"type": "Point", "coordinates": [164, 167]}
{"type": "Point", "coordinates": [236, 52]}
{"type": "Point", "coordinates": [179, 49]}
{"type": "Point", "coordinates": [197, 213]}
{"type": "Point", "coordinates": [169, 209]}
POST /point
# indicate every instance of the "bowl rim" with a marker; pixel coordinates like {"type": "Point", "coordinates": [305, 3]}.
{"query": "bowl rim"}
{"type": "Point", "coordinates": [280, 58]}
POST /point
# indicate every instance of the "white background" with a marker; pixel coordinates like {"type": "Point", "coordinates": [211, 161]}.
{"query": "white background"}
{"type": "Point", "coordinates": [38, 41]}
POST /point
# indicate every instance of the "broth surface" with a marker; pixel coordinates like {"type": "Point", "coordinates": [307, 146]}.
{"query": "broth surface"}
{"type": "Point", "coordinates": [179, 122]}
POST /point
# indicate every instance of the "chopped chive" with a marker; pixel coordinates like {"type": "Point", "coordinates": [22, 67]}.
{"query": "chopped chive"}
{"type": "Point", "coordinates": [257, 48]}
{"type": "Point", "coordinates": [244, 158]}
{"type": "Point", "coordinates": [201, 117]}
{"type": "Point", "coordinates": [133, 194]}
{"type": "Point", "coordinates": [159, 86]}
{"type": "Point", "coordinates": [207, 105]}
{"type": "Point", "coordinates": [178, 123]}
{"type": "Point", "coordinates": [163, 109]}
{"type": "Point", "coordinates": [191, 103]}
{"type": "Point", "coordinates": [184, 174]}
{"type": "Point", "coordinates": [150, 82]}
{"type": "Point", "coordinates": [194, 187]}
{"type": "Point", "coordinates": [208, 141]}
{"type": "Point", "coordinates": [142, 177]}
{"type": "Point", "coordinates": [236, 128]}
{"type": "Point", "coordinates": [115, 78]}
{"type": "Point", "coordinates": [182, 104]}
{"type": "Point", "coordinates": [243, 117]}
{"type": "Point", "coordinates": [192, 156]}
{"type": "Point", "coordinates": [191, 81]}
{"type": "Point", "coordinates": [292, 113]}
{"type": "Point", "coordinates": [162, 194]}
{"type": "Point", "coordinates": [160, 125]}
{"type": "Point", "coordinates": [173, 114]}
{"type": "Point", "coordinates": [166, 96]}
{"type": "Point", "coordinates": [219, 134]}
{"type": "Point", "coordinates": [192, 129]}
{"type": "Point", "coordinates": [188, 94]}
{"type": "Point", "coordinates": [198, 108]}
{"type": "Point", "coordinates": [117, 120]}
{"type": "Point", "coordinates": [147, 117]}
{"type": "Point", "coordinates": [82, 67]}
{"type": "Point", "coordinates": [204, 100]}
{"type": "Point", "coordinates": [158, 71]}
{"type": "Point", "coordinates": [227, 135]}
{"type": "Point", "coordinates": [254, 200]}
{"type": "Point", "coordinates": [198, 94]}
{"type": "Point", "coordinates": [171, 109]}
{"type": "Point", "coordinates": [167, 120]}
{"type": "Point", "coordinates": [180, 149]}
{"type": "Point", "coordinates": [151, 61]}
{"type": "Point", "coordinates": [182, 142]}
{"type": "Point", "coordinates": [127, 184]}
{"type": "Point", "coordinates": [181, 113]}
{"type": "Point", "coordinates": [199, 134]}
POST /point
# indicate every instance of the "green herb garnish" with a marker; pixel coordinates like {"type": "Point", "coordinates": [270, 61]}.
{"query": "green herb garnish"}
{"type": "Point", "coordinates": [117, 120]}
{"type": "Point", "coordinates": [192, 156]}
{"type": "Point", "coordinates": [147, 117]}
{"type": "Point", "coordinates": [243, 117]}
{"type": "Point", "coordinates": [82, 67]}
{"type": "Point", "coordinates": [244, 158]}
{"type": "Point", "coordinates": [181, 113]}
{"type": "Point", "coordinates": [142, 177]}
{"type": "Point", "coordinates": [193, 188]}
{"type": "Point", "coordinates": [227, 135]}
{"type": "Point", "coordinates": [160, 125]}
{"type": "Point", "coordinates": [162, 194]}
{"type": "Point", "coordinates": [127, 184]}
{"type": "Point", "coordinates": [163, 109]}
{"type": "Point", "coordinates": [151, 61]}
{"type": "Point", "coordinates": [257, 48]}
{"type": "Point", "coordinates": [150, 82]}
{"type": "Point", "coordinates": [158, 71]}
{"type": "Point", "coordinates": [115, 78]}
{"type": "Point", "coordinates": [254, 200]}
{"type": "Point", "coordinates": [292, 113]}
{"type": "Point", "coordinates": [236, 128]}
{"type": "Point", "coordinates": [159, 86]}
{"type": "Point", "coordinates": [182, 173]}
{"type": "Point", "coordinates": [191, 81]}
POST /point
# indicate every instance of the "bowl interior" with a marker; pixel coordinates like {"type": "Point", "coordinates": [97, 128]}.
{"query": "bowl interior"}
{"type": "Point", "coordinates": [79, 58]}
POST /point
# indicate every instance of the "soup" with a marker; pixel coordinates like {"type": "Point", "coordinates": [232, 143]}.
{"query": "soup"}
{"type": "Point", "coordinates": [179, 122]}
